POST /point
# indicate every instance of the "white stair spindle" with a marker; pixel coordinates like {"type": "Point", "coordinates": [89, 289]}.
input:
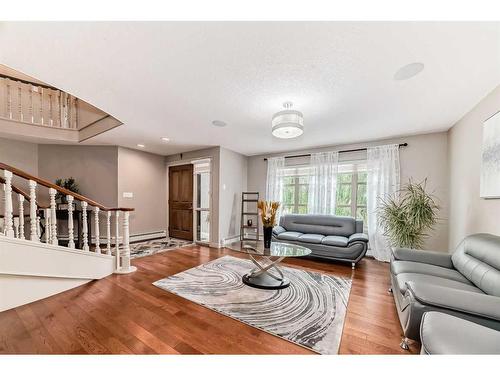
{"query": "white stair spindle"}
{"type": "Point", "coordinates": [96, 224]}
{"type": "Point", "coordinates": [71, 241]}
{"type": "Point", "coordinates": [48, 226]}
{"type": "Point", "coordinates": [85, 227]}
{"type": "Point", "coordinates": [108, 232]}
{"type": "Point", "coordinates": [38, 229]}
{"type": "Point", "coordinates": [117, 239]}
{"type": "Point", "coordinates": [21, 217]}
{"type": "Point", "coordinates": [53, 219]}
{"type": "Point", "coordinates": [16, 226]}
{"type": "Point", "coordinates": [9, 231]}
{"type": "Point", "coordinates": [34, 236]}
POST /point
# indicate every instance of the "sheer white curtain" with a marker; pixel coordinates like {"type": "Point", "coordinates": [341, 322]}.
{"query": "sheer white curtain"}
{"type": "Point", "coordinates": [323, 183]}
{"type": "Point", "coordinates": [383, 179]}
{"type": "Point", "coordinates": [274, 181]}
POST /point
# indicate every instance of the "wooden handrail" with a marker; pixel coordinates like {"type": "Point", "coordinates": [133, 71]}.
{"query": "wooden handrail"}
{"type": "Point", "coordinates": [60, 189]}
{"type": "Point", "coordinates": [23, 193]}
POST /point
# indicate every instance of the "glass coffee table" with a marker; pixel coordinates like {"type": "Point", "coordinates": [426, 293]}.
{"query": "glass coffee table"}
{"type": "Point", "coordinates": [267, 274]}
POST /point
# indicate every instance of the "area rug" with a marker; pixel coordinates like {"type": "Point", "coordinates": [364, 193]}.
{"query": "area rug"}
{"type": "Point", "coordinates": [310, 312]}
{"type": "Point", "coordinates": [145, 248]}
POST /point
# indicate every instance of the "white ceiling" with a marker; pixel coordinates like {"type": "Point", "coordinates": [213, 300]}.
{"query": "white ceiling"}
{"type": "Point", "coordinates": [173, 78]}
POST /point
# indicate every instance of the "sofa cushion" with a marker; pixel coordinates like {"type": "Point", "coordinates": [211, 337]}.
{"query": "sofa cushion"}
{"type": "Point", "coordinates": [478, 259]}
{"type": "Point", "coordinates": [289, 236]}
{"type": "Point", "coordinates": [438, 334]}
{"type": "Point", "coordinates": [327, 225]}
{"type": "Point", "coordinates": [335, 241]}
{"type": "Point", "coordinates": [403, 278]}
{"type": "Point", "coordinates": [401, 266]}
{"type": "Point", "coordinates": [311, 238]}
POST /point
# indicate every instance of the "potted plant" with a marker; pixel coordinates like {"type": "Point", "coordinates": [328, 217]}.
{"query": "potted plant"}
{"type": "Point", "coordinates": [268, 212]}
{"type": "Point", "coordinates": [68, 184]}
{"type": "Point", "coordinates": [409, 215]}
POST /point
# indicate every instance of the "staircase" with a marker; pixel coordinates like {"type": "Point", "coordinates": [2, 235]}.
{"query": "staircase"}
{"type": "Point", "coordinates": [32, 263]}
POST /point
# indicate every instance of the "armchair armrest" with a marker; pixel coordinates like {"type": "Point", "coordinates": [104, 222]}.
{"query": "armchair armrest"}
{"type": "Point", "coordinates": [278, 229]}
{"type": "Point", "coordinates": [423, 256]}
{"type": "Point", "coordinates": [472, 303]}
{"type": "Point", "coordinates": [358, 237]}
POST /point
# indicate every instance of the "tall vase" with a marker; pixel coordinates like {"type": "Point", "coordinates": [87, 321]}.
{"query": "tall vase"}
{"type": "Point", "coordinates": [268, 233]}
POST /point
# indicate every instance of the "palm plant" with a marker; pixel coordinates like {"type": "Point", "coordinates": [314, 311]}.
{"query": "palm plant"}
{"type": "Point", "coordinates": [409, 215]}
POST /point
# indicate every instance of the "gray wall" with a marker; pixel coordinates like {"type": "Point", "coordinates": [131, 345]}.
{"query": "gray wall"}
{"type": "Point", "coordinates": [144, 175]}
{"type": "Point", "coordinates": [468, 212]}
{"type": "Point", "coordinates": [95, 169]}
{"type": "Point", "coordinates": [233, 181]}
{"type": "Point", "coordinates": [22, 155]}
{"type": "Point", "coordinates": [425, 156]}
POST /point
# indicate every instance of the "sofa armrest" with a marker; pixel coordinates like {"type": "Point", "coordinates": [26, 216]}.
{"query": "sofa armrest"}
{"type": "Point", "coordinates": [423, 256]}
{"type": "Point", "coordinates": [357, 237]}
{"type": "Point", "coordinates": [471, 303]}
{"type": "Point", "coordinates": [278, 229]}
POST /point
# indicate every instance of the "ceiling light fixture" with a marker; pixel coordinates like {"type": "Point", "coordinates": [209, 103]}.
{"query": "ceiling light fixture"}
{"type": "Point", "coordinates": [165, 139]}
{"type": "Point", "coordinates": [288, 123]}
{"type": "Point", "coordinates": [408, 71]}
{"type": "Point", "coordinates": [140, 145]}
{"type": "Point", "coordinates": [219, 123]}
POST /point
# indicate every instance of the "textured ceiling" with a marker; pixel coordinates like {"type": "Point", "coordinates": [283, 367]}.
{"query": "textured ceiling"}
{"type": "Point", "coordinates": [174, 78]}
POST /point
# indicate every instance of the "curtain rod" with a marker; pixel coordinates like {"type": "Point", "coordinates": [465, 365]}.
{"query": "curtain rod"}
{"type": "Point", "coordinates": [340, 152]}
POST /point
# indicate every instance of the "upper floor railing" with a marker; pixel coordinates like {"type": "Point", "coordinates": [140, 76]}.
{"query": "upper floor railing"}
{"type": "Point", "coordinates": [37, 104]}
{"type": "Point", "coordinates": [38, 212]}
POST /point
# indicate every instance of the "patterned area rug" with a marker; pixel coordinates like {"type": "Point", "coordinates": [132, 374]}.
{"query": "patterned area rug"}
{"type": "Point", "coordinates": [310, 312]}
{"type": "Point", "coordinates": [142, 249]}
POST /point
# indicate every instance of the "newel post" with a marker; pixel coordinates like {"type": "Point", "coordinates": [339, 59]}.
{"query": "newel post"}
{"type": "Point", "coordinates": [125, 257]}
{"type": "Point", "coordinates": [8, 218]}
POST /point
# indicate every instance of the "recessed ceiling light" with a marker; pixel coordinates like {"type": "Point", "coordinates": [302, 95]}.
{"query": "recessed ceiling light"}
{"type": "Point", "coordinates": [219, 123]}
{"type": "Point", "coordinates": [165, 139]}
{"type": "Point", "coordinates": [408, 71]}
{"type": "Point", "coordinates": [140, 145]}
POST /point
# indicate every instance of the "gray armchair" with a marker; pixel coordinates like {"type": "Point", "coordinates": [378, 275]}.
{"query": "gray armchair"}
{"type": "Point", "coordinates": [465, 284]}
{"type": "Point", "coordinates": [328, 236]}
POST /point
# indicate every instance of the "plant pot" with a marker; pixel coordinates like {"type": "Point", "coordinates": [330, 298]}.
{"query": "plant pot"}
{"type": "Point", "coordinates": [268, 233]}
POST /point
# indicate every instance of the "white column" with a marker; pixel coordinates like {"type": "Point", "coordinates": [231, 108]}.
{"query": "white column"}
{"type": "Point", "coordinates": [96, 230]}
{"type": "Point", "coordinates": [117, 239]}
{"type": "Point", "coordinates": [108, 232]}
{"type": "Point", "coordinates": [53, 219]}
{"type": "Point", "coordinates": [125, 258]}
{"type": "Point", "coordinates": [33, 219]}
{"type": "Point", "coordinates": [71, 241]}
{"type": "Point", "coordinates": [85, 230]}
{"type": "Point", "coordinates": [21, 217]}
{"type": "Point", "coordinates": [8, 222]}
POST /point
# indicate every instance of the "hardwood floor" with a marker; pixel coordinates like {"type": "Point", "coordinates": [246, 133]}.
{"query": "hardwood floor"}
{"type": "Point", "coordinates": [127, 314]}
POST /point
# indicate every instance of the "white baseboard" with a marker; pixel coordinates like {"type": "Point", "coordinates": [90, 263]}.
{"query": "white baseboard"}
{"type": "Point", "coordinates": [136, 237]}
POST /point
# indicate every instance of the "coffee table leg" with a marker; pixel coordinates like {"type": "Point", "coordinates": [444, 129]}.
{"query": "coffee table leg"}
{"type": "Point", "coordinates": [261, 277]}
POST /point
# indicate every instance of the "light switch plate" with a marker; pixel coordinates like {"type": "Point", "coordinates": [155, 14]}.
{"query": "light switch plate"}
{"type": "Point", "coordinates": [128, 194]}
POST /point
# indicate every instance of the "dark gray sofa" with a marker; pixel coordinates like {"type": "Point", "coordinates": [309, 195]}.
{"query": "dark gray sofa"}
{"type": "Point", "coordinates": [328, 236]}
{"type": "Point", "coordinates": [465, 284]}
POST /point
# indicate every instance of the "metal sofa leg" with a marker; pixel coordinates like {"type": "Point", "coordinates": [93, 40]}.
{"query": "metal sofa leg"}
{"type": "Point", "coordinates": [405, 344]}
{"type": "Point", "coordinates": [353, 265]}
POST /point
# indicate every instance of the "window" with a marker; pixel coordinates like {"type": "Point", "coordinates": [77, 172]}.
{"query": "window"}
{"type": "Point", "coordinates": [351, 190]}
{"type": "Point", "coordinates": [295, 190]}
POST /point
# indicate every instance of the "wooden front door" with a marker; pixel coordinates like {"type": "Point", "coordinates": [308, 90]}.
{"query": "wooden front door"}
{"type": "Point", "coordinates": [180, 202]}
